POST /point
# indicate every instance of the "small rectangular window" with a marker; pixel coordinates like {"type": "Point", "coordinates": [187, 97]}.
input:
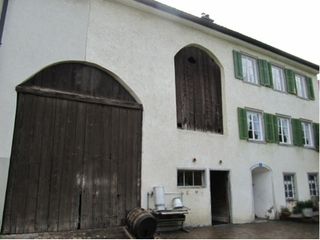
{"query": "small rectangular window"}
{"type": "Point", "coordinates": [255, 129]}
{"type": "Point", "coordinates": [278, 78]}
{"type": "Point", "coordinates": [190, 178]}
{"type": "Point", "coordinates": [313, 184]}
{"type": "Point", "coordinates": [284, 130]}
{"type": "Point", "coordinates": [301, 84]}
{"type": "Point", "coordinates": [307, 134]}
{"type": "Point", "coordinates": [289, 187]}
{"type": "Point", "coordinates": [249, 69]}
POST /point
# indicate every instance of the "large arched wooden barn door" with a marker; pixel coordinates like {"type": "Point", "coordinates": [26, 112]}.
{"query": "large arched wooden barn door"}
{"type": "Point", "coordinates": [76, 152]}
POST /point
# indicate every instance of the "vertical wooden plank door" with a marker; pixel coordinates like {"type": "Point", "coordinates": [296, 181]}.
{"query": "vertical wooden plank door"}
{"type": "Point", "coordinates": [75, 161]}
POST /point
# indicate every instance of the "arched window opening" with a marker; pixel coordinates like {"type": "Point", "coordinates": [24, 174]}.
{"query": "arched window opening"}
{"type": "Point", "coordinates": [198, 91]}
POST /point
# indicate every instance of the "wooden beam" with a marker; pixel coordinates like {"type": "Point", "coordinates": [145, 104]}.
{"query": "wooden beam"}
{"type": "Point", "coordinates": [77, 97]}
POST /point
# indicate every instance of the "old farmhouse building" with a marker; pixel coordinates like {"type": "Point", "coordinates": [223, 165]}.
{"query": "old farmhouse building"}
{"type": "Point", "coordinates": [100, 101]}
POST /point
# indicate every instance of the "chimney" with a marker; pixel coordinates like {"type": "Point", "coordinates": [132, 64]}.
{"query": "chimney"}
{"type": "Point", "coordinates": [206, 17]}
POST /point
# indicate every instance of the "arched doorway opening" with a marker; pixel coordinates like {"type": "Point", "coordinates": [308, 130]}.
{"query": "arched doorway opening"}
{"type": "Point", "coordinates": [262, 186]}
{"type": "Point", "coordinates": [76, 154]}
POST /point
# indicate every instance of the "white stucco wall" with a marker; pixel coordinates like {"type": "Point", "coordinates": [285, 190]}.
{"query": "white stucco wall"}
{"type": "Point", "coordinates": [139, 47]}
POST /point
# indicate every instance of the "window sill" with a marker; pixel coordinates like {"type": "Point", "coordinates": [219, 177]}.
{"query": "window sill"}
{"type": "Point", "coordinates": [191, 187]}
{"type": "Point", "coordinates": [309, 147]}
{"type": "Point", "coordinates": [197, 131]}
{"type": "Point", "coordinates": [251, 83]}
{"type": "Point", "coordinates": [307, 99]}
{"type": "Point", "coordinates": [286, 144]}
{"type": "Point", "coordinates": [279, 91]}
{"type": "Point", "coordinates": [257, 141]}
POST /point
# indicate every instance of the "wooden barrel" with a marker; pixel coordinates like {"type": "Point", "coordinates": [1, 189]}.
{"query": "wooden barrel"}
{"type": "Point", "coordinates": [141, 223]}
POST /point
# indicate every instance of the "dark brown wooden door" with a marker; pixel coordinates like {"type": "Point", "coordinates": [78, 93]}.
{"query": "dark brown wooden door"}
{"type": "Point", "coordinates": [74, 164]}
{"type": "Point", "coordinates": [198, 91]}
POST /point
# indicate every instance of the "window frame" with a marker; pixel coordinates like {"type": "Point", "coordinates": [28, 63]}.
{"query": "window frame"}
{"type": "Point", "coordinates": [311, 134]}
{"type": "Point", "coordinates": [184, 170]}
{"type": "Point", "coordinates": [303, 93]}
{"type": "Point", "coordinates": [255, 69]}
{"type": "Point", "coordinates": [316, 184]}
{"type": "Point", "coordinates": [261, 125]}
{"type": "Point", "coordinates": [294, 186]}
{"type": "Point", "coordinates": [283, 82]}
{"type": "Point", "coordinates": [289, 127]}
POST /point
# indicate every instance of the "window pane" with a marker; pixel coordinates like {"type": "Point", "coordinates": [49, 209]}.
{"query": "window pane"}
{"type": "Point", "coordinates": [188, 178]}
{"type": "Point", "coordinates": [298, 84]}
{"type": "Point", "coordinates": [180, 178]}
{"type": "Point", "coordinates": [249, 69]}
{"type": "Point", "coordinates": [284, 130]}
{"type": "Point", "coordinates": [198, 178]}
{"type": "Point", "coordinates": [254, 126]}
{"type": "Point", "coordinates": [289, 187]}
{"type": "Point", "coordinates": [278, 78]}
{"type": "Point", "coordinates": [301, 86]}
{"type": "Point", "coordinates": [313, 184]}
{"type": "Point", "coordinates": [307, 134]}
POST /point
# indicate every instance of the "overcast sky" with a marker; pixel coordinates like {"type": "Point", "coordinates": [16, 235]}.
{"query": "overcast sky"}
{"type": "Point", "coordinates": [290, 25]}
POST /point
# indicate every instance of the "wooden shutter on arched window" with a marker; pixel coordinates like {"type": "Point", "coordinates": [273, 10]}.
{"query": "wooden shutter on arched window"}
{"type": "Point", "coordinates": [198, 91]}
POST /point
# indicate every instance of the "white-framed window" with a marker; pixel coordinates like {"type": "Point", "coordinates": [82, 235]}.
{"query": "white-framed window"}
{"type": "Point", "coordinates": [313, 184]}
{"type": "Point", "coordinates": [191, 178]}
{"type": "Point", "coordinates": [301, 86]}
{"type": "Point", "coordinates": [284, 130]}
{"type": "Point", "coordinates": [279, 82]}
{"type": "Point", "coordinates": [289, 186]}
{"type": "Point", "coordinates": [307, 134]}
{"type": "Point", "coordinates": [255, 128]}
{"type": "Point", "coordinates": [249, 69]}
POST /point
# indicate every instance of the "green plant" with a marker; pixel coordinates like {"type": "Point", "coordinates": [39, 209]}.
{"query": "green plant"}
{"type": "Point", "coordinates": [284, 213]}
{"type": "Point", "coordinates": [285, 210]}
{"type": "Point", "coordinates": [301, 205]}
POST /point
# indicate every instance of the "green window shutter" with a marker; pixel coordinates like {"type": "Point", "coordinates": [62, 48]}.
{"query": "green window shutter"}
{"type": "Point", "coordinates": [316, 135]}
{"type": "Point", "coordinates": [270, 74]}
{"type": "Point", "coordinates": [291, 81]}
{"type": "Point", "coordinates": [237, 65]}
{"type": "Point", "coordinates": [275, 129]}
{"type": "Point", "coordinates": [265, 73]}
{"type": "Point", "coordinates": [310, 88]}
{"type": "Point", "coordinates": [297, 132]}
{"type": "Point", "coordinates": [243, 125]}
{"type": "Point", "coordinates": [270, 128]}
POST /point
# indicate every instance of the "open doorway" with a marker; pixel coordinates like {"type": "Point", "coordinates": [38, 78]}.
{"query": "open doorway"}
{"type": "Point", "coordinates": [220, 197]}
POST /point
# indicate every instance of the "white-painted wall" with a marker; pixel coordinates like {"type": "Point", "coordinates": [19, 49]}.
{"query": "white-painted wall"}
{"type": "Point", "coordinates": [138, 44]}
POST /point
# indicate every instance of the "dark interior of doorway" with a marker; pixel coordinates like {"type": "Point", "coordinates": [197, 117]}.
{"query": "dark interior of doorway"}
{"type": "Point", "coordinates": [219, 188]}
